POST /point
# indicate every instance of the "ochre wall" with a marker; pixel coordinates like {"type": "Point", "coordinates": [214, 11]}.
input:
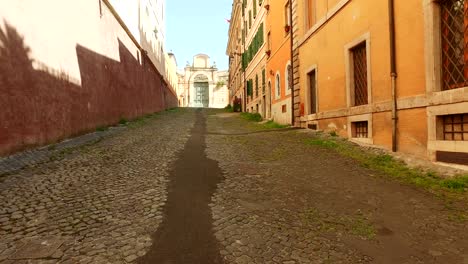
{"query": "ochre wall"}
{"type": "Point", "coordinates": [280, 56]}
{"type": "Point", "coordinates": [325, 48]}
{"type": "Point", "coordinates": [57, 82]}
{"type": "Point", "coordinates": [412, 131]}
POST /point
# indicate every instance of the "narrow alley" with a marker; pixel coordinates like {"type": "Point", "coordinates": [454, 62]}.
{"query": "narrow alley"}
{"type": "Point", "coordinates": [207, 186]}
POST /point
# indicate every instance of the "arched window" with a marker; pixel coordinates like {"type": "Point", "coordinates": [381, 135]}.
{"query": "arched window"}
{"type": "Point", "coordinates": [287, 78]}
{"type": "Point", "coordinates": [278, 85]}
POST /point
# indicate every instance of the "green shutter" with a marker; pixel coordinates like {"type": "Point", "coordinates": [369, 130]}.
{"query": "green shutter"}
{"type": "Point", "coordinates": [263, 81]}
{"type": "Point", "coordinates": [263, 77]}
{"type": "Point", "coordinates": [244, 4]}
{"type": "Point", "coordinates": [254, 8]}
{"type": "Point", "coordinates": [250, 87]}
{"type": "Point", "coordinates": [254, 46]}
{"type": "Point", "coordinates": [243, 36]}
{"type": "Point", "coordinates": [256, 85]}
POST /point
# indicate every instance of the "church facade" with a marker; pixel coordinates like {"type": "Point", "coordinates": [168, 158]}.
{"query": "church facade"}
{"type": "Point", "coordinates": [202, 85]}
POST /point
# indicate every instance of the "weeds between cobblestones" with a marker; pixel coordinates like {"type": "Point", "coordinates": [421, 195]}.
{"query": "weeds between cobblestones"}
{"type": "Point", "coordinates": [394, 168]}
{"type": "Point", "coordinates": [100, 203]}
{"type": "Point", "coordinates": [283, 201]}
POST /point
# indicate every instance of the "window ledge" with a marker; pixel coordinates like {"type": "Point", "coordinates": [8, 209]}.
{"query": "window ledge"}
{"type": "Point", "coordinates": [363, 141]}
{"type": "Point", "coordinates": [449, 146]}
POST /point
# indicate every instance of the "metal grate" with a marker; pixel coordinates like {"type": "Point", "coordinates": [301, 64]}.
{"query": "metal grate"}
{"type": "Point", "coordinates": [454, 43]}
{"type": "Point", "coordinates": [456, 127]}
{"type": "Point", "coordinates": [361, 129]}
{"type": "Point", "coordinates": [360, 74]}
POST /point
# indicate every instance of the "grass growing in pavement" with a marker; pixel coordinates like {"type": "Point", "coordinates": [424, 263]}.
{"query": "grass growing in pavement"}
{"type": "Point", "coordinates": [272, 124]}
{"type": "Point", "coordinates": [229, 108]}
{"type": "Point", "coordinates": [102, 129]}
{"type": "Point", "coordinates": [393, 167]}
{"type": "Point", "coordinates": [123, 121]}
{"type": "Point", "coordinates": [256, 117]}
{"type": "Point", "coordinates": [142, 120]}
{"type": "Point", "coordinates": [357, 224]}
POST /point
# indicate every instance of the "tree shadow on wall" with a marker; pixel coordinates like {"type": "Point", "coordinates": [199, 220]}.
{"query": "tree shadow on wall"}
{"type": "Point", "coordinates": [39, 105]}
{"type": "Point", "coordinates": [36, 106]}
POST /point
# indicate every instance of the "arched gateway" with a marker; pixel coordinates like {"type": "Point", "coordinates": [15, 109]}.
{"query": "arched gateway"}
{"type": "Point", "coordinates": [203, 85]}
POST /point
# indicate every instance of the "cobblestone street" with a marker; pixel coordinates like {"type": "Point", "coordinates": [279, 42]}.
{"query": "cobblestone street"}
{"type": "Point", "coordinates": [278, 201]}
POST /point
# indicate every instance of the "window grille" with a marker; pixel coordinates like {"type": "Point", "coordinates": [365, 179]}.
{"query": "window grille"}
{"type": "Point", "coordinates": [360, 129]}
{"type": "Point", "coordinates": [454, 22]}
{"type": "Point", "coordinates": [359, 55]}
{"type": "Point", "coordinates": [455, 127]}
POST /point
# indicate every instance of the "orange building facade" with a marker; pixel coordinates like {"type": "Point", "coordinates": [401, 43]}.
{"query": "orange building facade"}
{"type": "Point", "coordinates": [279, 66]}
{"type": "Point", "coordinates": [385, 73]}
{"type": "Point", "coordinates": [413, 100]}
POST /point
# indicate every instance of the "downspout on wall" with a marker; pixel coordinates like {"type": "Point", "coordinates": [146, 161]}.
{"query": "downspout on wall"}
{"type": "Point", "coordinates": [394, 75]}
{"type": "Point", "coordinates": [292, 59]}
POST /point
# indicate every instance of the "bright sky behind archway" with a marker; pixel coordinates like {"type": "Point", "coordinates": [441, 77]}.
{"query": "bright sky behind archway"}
{"type": "Point", "coordinates": [198, 27]}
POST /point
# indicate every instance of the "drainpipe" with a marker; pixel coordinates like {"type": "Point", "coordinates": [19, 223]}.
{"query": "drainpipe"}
{"type": "Point", "coordinates": [292, 59]}
{"type": "Point", "coordinates": [394, 75]}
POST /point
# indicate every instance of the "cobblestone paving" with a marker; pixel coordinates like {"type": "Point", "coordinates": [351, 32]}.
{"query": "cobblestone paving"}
{"type": "Point", "coordinates": [284, 202]}
{"type": "Point", "coordinates": [99, 204]}
{"type": "Point", "coordinates": [44, 154]}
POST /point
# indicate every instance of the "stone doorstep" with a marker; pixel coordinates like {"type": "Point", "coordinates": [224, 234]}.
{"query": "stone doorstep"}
{"type": "Point", "coordinates": [39, 248]}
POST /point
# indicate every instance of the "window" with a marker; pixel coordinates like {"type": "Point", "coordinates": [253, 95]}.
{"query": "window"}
{"type": "Point", "coordinates": [250, 87]}
{"type": "Point", "coordinates": [254, 8]}
{"type": "Point", "coordinates": [263, 81]}
{"type": "Point", "coordinates": [454, 127]}
{"type": "Point", "coordinates": [360, 129]}
{"type": "Point", "coordinates": [269, 41]}
{"type": "Point", "coordinates": [287, 18]}
{"type": "Point", "coordinates": [454, 25]}
{"type": "Point", "coordinates": [284, 108]}
{"type": "Point", "coordinates": [256, 85]}
{"type": "Point", "coordinates": [244, 5]}
{"type": "Point", "coordinates": [359, 74]}
{"type": "Point", "coordinates": [312, 92]}
{"type": "Point", "coordinates": [278, 85]}
{"type": "Point", "coordinates": [288, 79]}
{"type": "Point", "coordinates": [311, 13]}
{"type": "Point", "coordinates": [250, 19]}
{"type": "Point", "coordinates": [243, 36]}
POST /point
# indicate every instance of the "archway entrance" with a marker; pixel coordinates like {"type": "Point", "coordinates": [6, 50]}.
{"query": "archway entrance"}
{"type": "Point", "coordinates": [202, 91]}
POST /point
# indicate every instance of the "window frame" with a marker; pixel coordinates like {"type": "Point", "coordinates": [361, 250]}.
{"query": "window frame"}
{"type": "Point", "coordinates": [350, 69]}
{"type": "Point", "coordinates": [361, 118]}
{"type": "Point", "coordinates": [286, 13]}
{"type": "Point", "coordinates": [311, 19]}
{"type": "Point", "coordinates": [278, 85]}
{"type": "Point", "coordinates": [287, 76]}
{"type": "Point", "coordinates": [443, 59]}
{"type": "Point", "coordinates": [314, 68]}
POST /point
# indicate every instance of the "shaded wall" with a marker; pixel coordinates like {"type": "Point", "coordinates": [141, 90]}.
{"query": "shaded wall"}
{"type": "Point", "coordinates": [45, 101]}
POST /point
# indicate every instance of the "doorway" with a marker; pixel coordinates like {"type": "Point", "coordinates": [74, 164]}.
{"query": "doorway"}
{"type": "Point", "coordinates": [202, 94]}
